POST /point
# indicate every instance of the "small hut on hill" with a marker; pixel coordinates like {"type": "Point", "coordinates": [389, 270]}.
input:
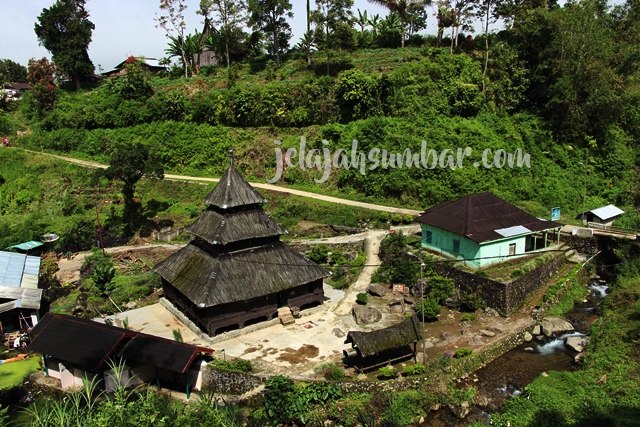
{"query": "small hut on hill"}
{"type": "Point", "coordinates": [377, 348]}
{"type": "Point", "coordinates": [236, 271]}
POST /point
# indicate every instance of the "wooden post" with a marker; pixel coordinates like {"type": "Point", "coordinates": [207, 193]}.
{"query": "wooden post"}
{"type": "Point", "coordinates": [100, 232]}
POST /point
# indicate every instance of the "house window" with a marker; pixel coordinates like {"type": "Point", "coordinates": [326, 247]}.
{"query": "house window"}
{"type": "Point", "coordinates": [456, 245]}
{"type": "Point", "coordinates": [429, 236]}
{"type": "Point", "coordinates": [512, 249]}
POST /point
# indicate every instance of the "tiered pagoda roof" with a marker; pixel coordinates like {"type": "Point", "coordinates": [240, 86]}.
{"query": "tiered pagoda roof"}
{"type": "Point", "coordinates": [236, 254]}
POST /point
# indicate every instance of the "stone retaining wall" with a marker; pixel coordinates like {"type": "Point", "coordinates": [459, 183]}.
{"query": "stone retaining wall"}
{"type": "Point", "coordinates": [584, 245]}
{"type": "Point", "coordinates": [504, 297]}
{"type": "Point", "coordinates": [228, 382]}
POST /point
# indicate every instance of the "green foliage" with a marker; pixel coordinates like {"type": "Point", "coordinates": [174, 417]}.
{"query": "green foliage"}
{"type": "Point", "coordinates": [387, 372]}
{"type": "Point", "coordinates": [337, 258]}
{"type": "Point", "coordinates": [177, 335]}
{"type": "Point", "coordinates": [407, 219]}
{"type": "Point", "coordinates": [64, 30]}
{"type": "Point", "coordinates": [42, 92]}
{"type": "Point", "coordinates": [383, 217]}
{"type": "Point", "coordinates": [362, 298]}
{"type": "Point", "coordinates": [396, 219]}
{"type": "Point", "coordinates": [473, 301]}
{"type": "Point", "coordinates": [235, 365]}
{"type": "Point", "coordinates": [429, 308]}
{"type": "Point", "coordinates": [324, 366]}
{"type": "Point", "coordinates": [466, 317]}
{"type": "Point", "coordinates": [463, 352]}
{"type": "Point", "coordinates": [319, 254]}
{"type": "Point", "coordinates": [101, 270]}
{"type": "Point", "coordinates": [415, 369]}
{"type": "Point", "coordinates": [440, 289]}
{"type": "Point", "coordinates": [336, 374]}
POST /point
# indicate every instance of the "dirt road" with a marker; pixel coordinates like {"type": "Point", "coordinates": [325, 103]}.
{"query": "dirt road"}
{"type": "Point", "coordinates": [270, 187]}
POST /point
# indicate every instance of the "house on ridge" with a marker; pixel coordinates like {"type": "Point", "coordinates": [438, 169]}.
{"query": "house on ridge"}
{"type": "Point", "coordinates": [604, 215]}
{"type": "Point", "coordinates": [483, 229]}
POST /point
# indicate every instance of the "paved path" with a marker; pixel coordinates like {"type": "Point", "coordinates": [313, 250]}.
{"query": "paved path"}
{"type": "Point", "coordinates": [270, 187]}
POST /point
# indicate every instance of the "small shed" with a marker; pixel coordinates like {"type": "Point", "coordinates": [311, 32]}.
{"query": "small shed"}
{"type": "Point", "coordinates": [604, 215]}
{"type": "Point", "coordinates": [19, 293]}
{"type": "Point", "coordinates": [75, 348]}
{"type": "Point", "coordinates": [378, 348]}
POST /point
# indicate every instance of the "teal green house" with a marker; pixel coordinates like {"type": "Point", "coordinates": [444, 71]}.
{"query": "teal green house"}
{"type": "Point", "coordinates": [482, 229]}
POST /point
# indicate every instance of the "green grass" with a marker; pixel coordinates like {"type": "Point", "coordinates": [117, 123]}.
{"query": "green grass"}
{"type": "Point", "coordinates": [11, 374]}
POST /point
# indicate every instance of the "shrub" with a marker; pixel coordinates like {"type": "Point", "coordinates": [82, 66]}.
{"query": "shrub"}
{"type": "Point", "coordinates": [463, 352]}
{"type": "Point", "coordinates": [468, 317]}
{"type": "Point", "coordinates": [362, 298]}
{"type": "Point", "coordinates": [473, 301]}
{"type": "Point", "coordinates": [387, 372]}
{"type": "Point", "coordinates": [407, 219]}
{"type": "Point", "coordinates": [337, 258]}
{"type": "Point", "coordinates": [517, 272]}
{"type": "Point", "coordinates": [396, 219]}
{"type": "Point", "coordinates": [429, 308]}
{"type": "Point", "coordinates": [177, 335]}
{"type": "Point", "coordinates": [336, 374]}
{"type": "Point", "coordinates": [441, 289]}
{"type": "Point", "coordinates": [235, 365]}
{"type": "Point", "coordinates": [359, 261]}
{"type": "Point", "coordinates": [482, 273]}
{"type": "Point", "coordinates": [324, 366]}
{"type": "Point", "coordinates": [319, 254]}
{"type": "Point", "coordinates": [416, 369]}
{"type": "Point", "coordinates": [383, 217]}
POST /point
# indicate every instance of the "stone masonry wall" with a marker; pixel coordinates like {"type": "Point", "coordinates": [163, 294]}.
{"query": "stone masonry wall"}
{"type": "Point", "coordinates": [228, 382]}
{"type": "Point", "coordinates": [519, 289]}
{"type": "Point", "coordinates": [504, 297]}
{"type": "Point", "coordinates": [584, 245]}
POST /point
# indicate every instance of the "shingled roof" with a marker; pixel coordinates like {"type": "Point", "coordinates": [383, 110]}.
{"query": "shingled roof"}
{"type": "Point", "coordinates": [392, 337]}
{"type": "Point", "coordinates": [215, 228]}
{"type": "Point", "coordinates": [233, 191]}
{"type": "Point", "coordinates": [483, 217]}
{"type": "Point", "coordinates": [90, 344]}
{"type": "Point", "coordinates": [209, 280]}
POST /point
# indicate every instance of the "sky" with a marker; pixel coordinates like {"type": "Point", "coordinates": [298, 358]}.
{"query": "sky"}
{"type": "Point", "coordinates": [122, 28]}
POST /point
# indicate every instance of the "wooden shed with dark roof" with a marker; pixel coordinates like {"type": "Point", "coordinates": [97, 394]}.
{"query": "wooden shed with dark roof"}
{"type": "Point", "coordinates": [482, 229]}
{"type": "Point", "coordinates": [380, 347]}
{"type": "Point", "coordinates": [236, 271]}
{"type": "Point", "coordinates": [76, 348]}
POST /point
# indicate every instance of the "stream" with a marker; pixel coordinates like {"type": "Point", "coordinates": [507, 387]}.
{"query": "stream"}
{"type": "Point", "coordinates": [507, 376]}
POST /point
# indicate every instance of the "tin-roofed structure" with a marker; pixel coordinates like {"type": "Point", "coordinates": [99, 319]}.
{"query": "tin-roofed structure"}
{"type": "Point", "coordinates": [19, 293]}
{"type": "Point", "coordinates": [483, 229]}
{"type": "Point", "coordinates": [236, 271]}
{"type": "Point", "coordinates": [604, 215]}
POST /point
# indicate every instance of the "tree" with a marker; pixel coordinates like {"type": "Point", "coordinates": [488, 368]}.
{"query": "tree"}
{"type": "Point", "coordinates": [65, 30]}
{"type": "Point", "coordinates": [268, 16]}
{"type": "Point", "coordinates": [331, 17]}
{"type": "Point", "coordinates": [230, 13]}
{"type": "Point", "coordinates": [400, 7]}
{"type": "Point", "coordinates": [129, 163]}
{"type": "Point", "coordinates": [174, 25]}
{"type": "Point", "coordinates": [42, 89]}
{"type": "Point", "coordinates": [187, 49]}
{"type": "Point", "coordinates": [12, 71]}
{"type": "Point", "coordinates": [362, 20]}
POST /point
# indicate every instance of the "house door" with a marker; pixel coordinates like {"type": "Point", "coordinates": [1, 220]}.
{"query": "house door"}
{"type": "Point", "coordinates": [282, 299]}
{"type": "Point", "coordinates": [66, 376]}
{"type": "Point", "coordinates": [512, 249]}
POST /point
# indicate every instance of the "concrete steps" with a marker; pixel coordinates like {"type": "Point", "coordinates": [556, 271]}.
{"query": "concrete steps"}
{"type": "Point", "coordinates": [285, 316]}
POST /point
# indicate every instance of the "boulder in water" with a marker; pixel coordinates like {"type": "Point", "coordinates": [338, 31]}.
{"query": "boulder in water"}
{"type": "Point", "coordinates": [577, 343]}
{"type": "Point", "coordinates": [527, 337]}
{"type": "Point", "coordinates": [462, 410]}
{"type": "Point", "coordinates": [555, 325]}
{"type": "Point", "coordinates": [487, 333]}
{"type": "Point", "coordinates": [536, 330]}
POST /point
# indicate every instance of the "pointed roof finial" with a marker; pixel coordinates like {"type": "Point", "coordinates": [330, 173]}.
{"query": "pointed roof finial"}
{"type": "Point", "coordinates": [230, 154]}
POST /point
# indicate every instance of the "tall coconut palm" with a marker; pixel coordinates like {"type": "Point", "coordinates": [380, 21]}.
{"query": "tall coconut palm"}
{"type": "Point", "coordinates": [400, 7]}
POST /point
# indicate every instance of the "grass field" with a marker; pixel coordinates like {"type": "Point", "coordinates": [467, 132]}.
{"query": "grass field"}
{"type": "Point", "coordinates": [12, 373]}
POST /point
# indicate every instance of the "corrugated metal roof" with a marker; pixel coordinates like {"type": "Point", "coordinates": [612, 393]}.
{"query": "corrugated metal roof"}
{"type": "Point", "coordinates": [513, 231]}
{"type": "Point", "coordinates": [19, 270]}
{"type": "Point", "coordinates": [26, 246]}
{"type": "Point", "coordinates": [607, 212]}
{"type": "Point", "coordinates": [478, 216]}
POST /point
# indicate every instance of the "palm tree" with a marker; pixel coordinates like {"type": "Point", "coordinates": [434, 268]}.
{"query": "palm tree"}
{"type": "Point", "coordinates": [362, 20]}
{"type": "Point", "coordinates": [400, 7]}
{"type": "Point", "coordinates": [375, 23]}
